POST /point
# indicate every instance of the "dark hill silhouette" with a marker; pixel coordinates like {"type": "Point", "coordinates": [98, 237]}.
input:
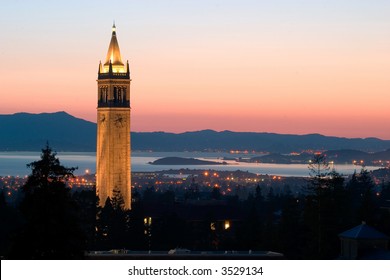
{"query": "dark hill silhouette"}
{"type": "Point", "coordinates": [28, 132]}
{"type": "Point", "coordinates": [270, 142]}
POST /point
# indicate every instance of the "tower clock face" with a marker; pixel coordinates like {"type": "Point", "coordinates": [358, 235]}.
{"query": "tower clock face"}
{"type": "Point", "coordinates": [102, 119]}
{"type": "Point", "coordinates": [119, 120]}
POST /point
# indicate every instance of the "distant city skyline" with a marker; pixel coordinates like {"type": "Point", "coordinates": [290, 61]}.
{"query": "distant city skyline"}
{"type": "Point", "coordinates": [279, 66]}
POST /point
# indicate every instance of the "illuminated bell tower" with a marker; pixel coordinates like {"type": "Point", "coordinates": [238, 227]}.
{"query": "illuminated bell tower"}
{"type": "Point", "coordinates": [113, 164]}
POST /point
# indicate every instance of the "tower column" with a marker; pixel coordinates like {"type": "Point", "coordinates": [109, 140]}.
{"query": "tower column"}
{"type": "Point", "coordinates": [113, 154]}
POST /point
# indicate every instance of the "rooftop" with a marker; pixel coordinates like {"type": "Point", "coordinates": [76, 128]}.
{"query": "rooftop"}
{"type": "Point", "coordinates": [363, 231]}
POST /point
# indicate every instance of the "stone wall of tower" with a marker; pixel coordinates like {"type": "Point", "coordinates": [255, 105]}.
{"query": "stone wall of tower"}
{"type": "Point", "coordinates": [113, 156]}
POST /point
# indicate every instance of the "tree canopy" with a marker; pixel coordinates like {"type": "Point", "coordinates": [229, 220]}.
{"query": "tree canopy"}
{"type": "Point", "coordinates": [51, 228]}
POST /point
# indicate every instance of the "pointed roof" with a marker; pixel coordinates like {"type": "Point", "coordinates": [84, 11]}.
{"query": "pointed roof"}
{"type": "Point", "coordinates": [113, 53]}
{"type": "Point", "coordinates": [363, 231]}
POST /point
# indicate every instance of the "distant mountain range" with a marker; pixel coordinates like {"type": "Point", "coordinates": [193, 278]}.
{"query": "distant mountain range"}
{"type": "Point", "coordinates": [29, 132]}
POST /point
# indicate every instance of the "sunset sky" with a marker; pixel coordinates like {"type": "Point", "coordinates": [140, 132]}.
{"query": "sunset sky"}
{"type": "Point", "coordinates": [301, 66]}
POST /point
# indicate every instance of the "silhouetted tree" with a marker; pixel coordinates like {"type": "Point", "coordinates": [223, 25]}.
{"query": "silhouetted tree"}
{"type": "Point", "coordinates": [117, 200]}
{"type": "Point", "coordinates": [104, 225]}
{"type": "Point", "coordinates": [119, 221]}
{"type": "Point", "coordinates": [88, 202]}
{"type": "Point", "coordinates": [138, 240]}
{"type": "Point", "coordinates": [361, 195]}
{"type": "Point", "coordinates": [113, 223]}
{"type": "Point", "coordinates": [270, 220]}
{"type": "Point", "coordinates": [250, 234]}
{"type": "Point", "coordinates": [10, 220]}
{"type": "Point", "coordinates": [149, 195]}
{"type": "Point", "coordinates": [291, 229]}
{"type": "Point", "coordinates": [384, 213]}
{"type": "Point", "coordinates": [51, 229]}
{"type": "Point", "coordinates": [324, 212]}
{"type": "Point", "coordinates": [3, 202]}
{"type": "Point", "coordinates": [216, 193]}
{"type": "Point", "coordinates": [259, 201]}
{"type": "Point", "coordinates": [319, 171]}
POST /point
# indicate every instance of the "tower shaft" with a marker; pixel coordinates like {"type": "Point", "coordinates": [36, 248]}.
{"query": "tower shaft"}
{"type": "Point", "coordinates": [113, 155]}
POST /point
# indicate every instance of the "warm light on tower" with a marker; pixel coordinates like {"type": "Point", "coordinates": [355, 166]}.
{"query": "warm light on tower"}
{"type": "Point", "coordinates": [113, 170]}
{"type": "Point", "coordinates": [113, 57]}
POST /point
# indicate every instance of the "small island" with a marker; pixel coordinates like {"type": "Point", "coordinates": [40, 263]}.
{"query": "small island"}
{"type": "Point", "coordinates": [184, 161]}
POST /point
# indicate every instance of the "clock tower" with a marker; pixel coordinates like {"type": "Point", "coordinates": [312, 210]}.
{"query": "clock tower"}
{"type": "Point", "coordinates": [113, 163]}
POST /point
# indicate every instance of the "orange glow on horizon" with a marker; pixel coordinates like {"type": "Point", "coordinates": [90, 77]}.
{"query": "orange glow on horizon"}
{"type": "Point", "coordinates": [277, 69]}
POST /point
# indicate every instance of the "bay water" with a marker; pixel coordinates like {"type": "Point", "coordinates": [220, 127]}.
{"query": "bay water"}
{"type": "Point", "coordinates": [14, 163]}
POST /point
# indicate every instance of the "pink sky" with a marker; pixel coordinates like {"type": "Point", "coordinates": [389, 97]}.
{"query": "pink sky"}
{"type": "Point", "coordinates": [255, 67]}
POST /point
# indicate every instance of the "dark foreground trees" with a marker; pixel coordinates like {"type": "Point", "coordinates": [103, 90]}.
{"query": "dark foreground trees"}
{"type": "Point", "coordinates": [325, 210]}
{"type": "Point", "coordinates": [51, 228]}
{"type": "Point", "coordinates": [300, 225]}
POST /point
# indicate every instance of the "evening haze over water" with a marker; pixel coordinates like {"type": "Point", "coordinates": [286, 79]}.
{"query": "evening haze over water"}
{"type": "Point", "coordinates": [14, 163]}
{"type": "Point", "coordinates": [277, 66]}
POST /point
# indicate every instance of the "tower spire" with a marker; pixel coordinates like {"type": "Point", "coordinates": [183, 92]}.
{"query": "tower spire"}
{"type": "Point", "coordinates": [114, 54]}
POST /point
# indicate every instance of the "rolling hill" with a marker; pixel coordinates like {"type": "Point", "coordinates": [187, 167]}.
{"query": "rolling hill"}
{"type": "Point", "coordinates": [30, 132]}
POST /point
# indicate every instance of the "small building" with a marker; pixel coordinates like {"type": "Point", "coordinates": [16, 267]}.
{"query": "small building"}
{"type": "Point", "coordinates": [364, 242]}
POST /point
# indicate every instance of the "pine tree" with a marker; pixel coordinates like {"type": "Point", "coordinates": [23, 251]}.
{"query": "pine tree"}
{"type": "Point", "coordinates": [324, 213]}
{"type": "Point", "coordinates": [52, 229]}
{"type": "Point", "coordinates": [361, 196]}
{"type": "Point", "coordinates": [113, 223]}
{"type": "Point", "coordinates": [117, 201]}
